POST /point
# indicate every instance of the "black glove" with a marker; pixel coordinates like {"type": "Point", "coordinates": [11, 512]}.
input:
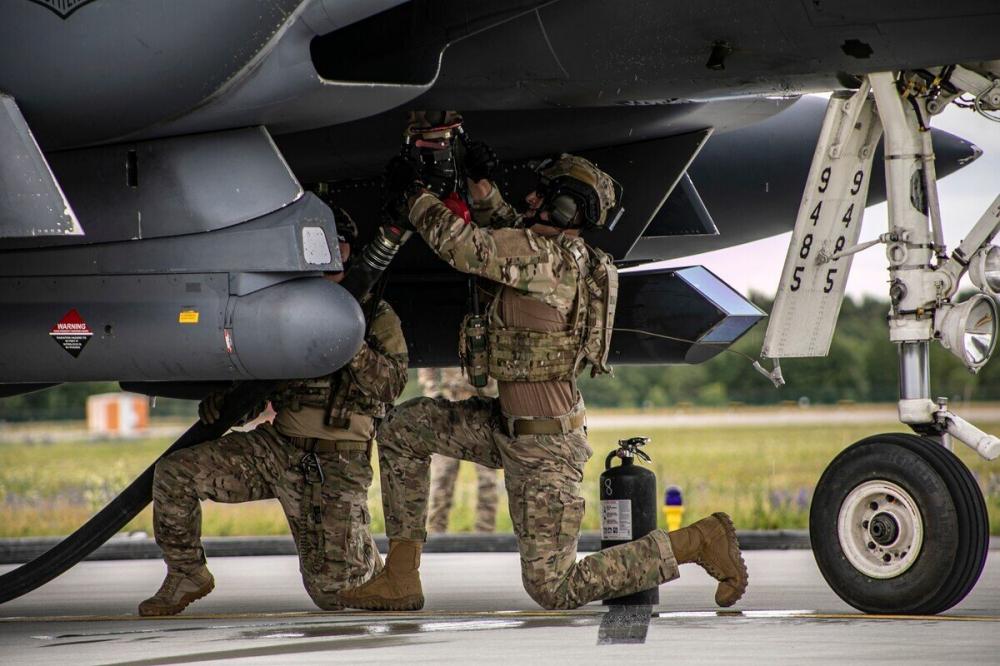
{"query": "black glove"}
{"type": "Point", "coordinates": [480, 161]}
{"type": "Point", "coordinates": [402, 174]}
{"type": "Point", "coordinates": [394, 216]}
{"type": "Point", "coordinates": [210, 406]}
{"type": "Point", "coordinates": [400, 181]}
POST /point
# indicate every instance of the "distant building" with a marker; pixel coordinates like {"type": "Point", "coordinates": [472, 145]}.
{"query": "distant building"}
{"type": "Point", "coordinates": [117, 414]}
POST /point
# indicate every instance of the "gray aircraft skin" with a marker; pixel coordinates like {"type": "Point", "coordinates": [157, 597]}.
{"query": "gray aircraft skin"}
{"type": "Point", "coordinates": [132, 113]}
{"type": "Point", "coordinates": [116, 70]}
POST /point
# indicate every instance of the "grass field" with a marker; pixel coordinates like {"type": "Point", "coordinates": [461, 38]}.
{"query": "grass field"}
{"type": "Point", "coordinates": [763, 475]}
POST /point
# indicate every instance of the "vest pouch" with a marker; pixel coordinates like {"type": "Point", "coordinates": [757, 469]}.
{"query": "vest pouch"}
{"type": "Point", "coordinates": [474, 351]}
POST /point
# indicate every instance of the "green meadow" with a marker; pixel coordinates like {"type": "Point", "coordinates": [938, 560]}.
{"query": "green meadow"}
{"type": "Point", "coordinates": [763, 476]}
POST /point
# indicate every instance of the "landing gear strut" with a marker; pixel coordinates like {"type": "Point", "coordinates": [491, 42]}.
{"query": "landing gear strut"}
{"type": "Point", "coordinates": [898, 523]}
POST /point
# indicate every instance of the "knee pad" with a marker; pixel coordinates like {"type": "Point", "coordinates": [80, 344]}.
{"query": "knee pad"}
{"type": "Point", "coordinates": [545, 596]}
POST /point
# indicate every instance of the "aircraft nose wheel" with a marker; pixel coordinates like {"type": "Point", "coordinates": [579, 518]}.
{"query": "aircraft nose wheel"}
{"type": "Point", "coordinates": [898, 525]}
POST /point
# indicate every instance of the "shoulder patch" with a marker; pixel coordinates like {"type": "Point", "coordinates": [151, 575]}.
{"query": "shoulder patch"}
{"type": "Point", "coordinates": [515, 243]}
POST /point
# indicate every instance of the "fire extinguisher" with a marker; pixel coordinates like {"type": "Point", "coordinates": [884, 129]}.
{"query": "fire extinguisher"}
{"type": "Point", "coordinates": [628, 507]}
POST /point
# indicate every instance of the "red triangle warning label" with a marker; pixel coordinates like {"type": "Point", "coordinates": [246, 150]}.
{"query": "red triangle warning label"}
{"type": "Point", "coordinates": [71, 333]}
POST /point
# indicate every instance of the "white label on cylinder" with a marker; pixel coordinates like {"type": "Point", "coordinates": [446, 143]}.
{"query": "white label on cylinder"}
{"type": "Point", "coordinates": [315, 249]}
{"type": "Point", "coordinates": [616, 520]}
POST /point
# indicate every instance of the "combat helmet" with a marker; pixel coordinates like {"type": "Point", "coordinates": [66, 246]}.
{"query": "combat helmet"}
{"type": "Point", "coordinates": [347, 228]}
{"type": "Point", "coordinates": [571, 184]}
{"type": "Point", "coordinates": [433, 124]}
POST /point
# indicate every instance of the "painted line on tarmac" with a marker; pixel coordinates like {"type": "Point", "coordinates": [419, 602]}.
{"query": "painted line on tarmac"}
{"type": "Point", "coordinates": [815, 615]}
{"type": "Point", "coordinates": [348, 616]}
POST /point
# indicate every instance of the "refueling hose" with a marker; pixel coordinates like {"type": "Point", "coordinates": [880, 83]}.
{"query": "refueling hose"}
{"type": "Point", "coordinates": [127, 505]}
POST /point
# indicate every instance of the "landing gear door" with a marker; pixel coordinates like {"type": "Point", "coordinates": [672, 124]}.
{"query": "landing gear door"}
{"type": "Point", "coordinates": [32, 203]}
{"type": "Point", "coordinates": [812, 284]}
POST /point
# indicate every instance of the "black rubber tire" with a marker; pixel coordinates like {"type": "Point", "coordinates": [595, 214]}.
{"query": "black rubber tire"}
{"type": "Point", "coordinates": [956, 528]}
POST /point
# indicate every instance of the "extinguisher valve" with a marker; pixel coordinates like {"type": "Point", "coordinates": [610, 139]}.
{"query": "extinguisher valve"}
{"type": "Point", "coordinates": [629, 448]}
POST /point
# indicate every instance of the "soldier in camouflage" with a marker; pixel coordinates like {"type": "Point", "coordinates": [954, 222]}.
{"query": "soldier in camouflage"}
{"type": "Point", "coordinates": [314, 459]}
{"type": "Point", "coordinates": [535, 430]}
{"type": "Point", "coordinates": [451, 384]}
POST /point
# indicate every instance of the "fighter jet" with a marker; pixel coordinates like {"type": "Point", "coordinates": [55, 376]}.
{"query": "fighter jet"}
{"type": "Point", "coordinates": [166, 168]}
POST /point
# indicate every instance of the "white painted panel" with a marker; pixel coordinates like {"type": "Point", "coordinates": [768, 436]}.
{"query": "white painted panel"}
{"type": "Point", "coordinates": [812, 286]}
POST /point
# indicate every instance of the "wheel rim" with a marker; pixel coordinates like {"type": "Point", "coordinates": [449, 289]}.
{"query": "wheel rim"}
{"type": "Point", "coordinates": [880, 529]}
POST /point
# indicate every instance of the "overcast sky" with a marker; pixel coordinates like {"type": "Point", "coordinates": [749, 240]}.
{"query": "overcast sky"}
{"type": "Point", "coordinates": [964, 195]}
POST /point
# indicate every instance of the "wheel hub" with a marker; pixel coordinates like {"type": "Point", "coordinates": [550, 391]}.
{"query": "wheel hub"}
{"type": "Point", "coordinates": [880, 529]}
{"type": "Point", "coordinates": [884, 529]}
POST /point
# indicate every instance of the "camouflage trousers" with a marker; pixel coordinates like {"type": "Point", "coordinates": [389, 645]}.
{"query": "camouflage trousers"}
{"type": "Point", "coordinates": [263, 464]}
{"type": "Point", "coordinates": [444, 473]}
{"type": "Point", "coordinates": [542, 474]}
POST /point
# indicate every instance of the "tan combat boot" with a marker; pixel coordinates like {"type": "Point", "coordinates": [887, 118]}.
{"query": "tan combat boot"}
{"type": "Point", "coordinates": [178, 590]}
{"type": "Point", "coordinates": [711, 542]}
{"type": "Point", "coordinates": [396, 587]}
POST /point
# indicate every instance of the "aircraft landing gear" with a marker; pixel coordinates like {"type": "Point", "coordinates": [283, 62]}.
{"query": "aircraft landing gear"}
{"type": "Point", "coordinates": [898, 525]}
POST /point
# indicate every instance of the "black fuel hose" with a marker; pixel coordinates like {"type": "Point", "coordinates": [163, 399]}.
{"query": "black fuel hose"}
{"type": "Point", "coordinates": [127, 505]}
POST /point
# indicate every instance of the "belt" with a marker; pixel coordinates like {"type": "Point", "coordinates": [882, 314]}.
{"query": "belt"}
{"type": "Point", "coordinates": [546, 425]}
{"type": "Point", "coordinates": [328, 445]}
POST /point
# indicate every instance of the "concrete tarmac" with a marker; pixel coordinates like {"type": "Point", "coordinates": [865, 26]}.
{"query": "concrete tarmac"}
{"type": "Point", "coordinates": [477, 612]}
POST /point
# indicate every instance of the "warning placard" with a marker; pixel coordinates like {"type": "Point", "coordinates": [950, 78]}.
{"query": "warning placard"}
{"type": "Point", "coordinates": [71, 333]}
{"type": "Point", "coordinates": [616, 519]}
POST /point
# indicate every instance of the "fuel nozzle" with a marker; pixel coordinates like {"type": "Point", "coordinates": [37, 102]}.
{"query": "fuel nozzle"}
{"type": "Point", "coordinates": [374, 259]}
{"type": "Point", "coordinates": [629, 448]}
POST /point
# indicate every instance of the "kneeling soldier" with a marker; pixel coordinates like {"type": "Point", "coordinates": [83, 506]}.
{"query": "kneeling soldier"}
{"type": "Point", "coordinates": [552, 315]}
{"type": "Point", "coordinates": [314, 459]}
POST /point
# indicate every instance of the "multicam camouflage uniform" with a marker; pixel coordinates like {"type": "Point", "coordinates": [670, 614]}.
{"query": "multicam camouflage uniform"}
{"type": "Point", "coordinates": [542, 471]}
{"type": "Point", "coordinates": [329, 519]}
{"type": "Point", "coordinates": [451, 384]}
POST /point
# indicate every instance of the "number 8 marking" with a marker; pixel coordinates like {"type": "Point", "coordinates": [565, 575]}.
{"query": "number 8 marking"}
{"type": "Point", "coordinates": [806, 245]}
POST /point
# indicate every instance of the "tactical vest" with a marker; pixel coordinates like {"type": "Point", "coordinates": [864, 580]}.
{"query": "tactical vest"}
{"type": "Point", "coordinates": [524, 355]}
{"type": "Point", "coordinates": [338, 393]}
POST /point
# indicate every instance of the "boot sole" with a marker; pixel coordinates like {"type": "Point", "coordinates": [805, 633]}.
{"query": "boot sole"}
{"type": "Point", "coordinates": [735, 554]}
{"type": "Point", "coordinates": [185, 601]}
{"type": "Point", "coordinates": [410, 603]}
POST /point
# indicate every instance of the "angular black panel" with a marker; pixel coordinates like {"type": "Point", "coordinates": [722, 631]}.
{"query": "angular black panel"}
{"type": "Point", "coordinates": [699, 315]}
{"type": "Point", "coordinates": [648, 172]}
{"type": "Point", "coordinates": [702, 314]}
{"type": "Point", "coordinates": [683, 214]}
